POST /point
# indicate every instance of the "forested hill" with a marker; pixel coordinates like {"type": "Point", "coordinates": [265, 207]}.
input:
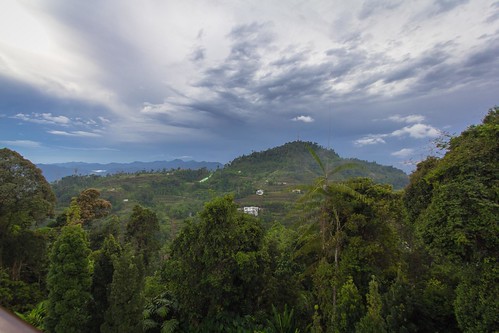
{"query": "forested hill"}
{"type": "Point", "coordinates": [279, 172]}
{"type": "Point", "coordinates": [294, 161]}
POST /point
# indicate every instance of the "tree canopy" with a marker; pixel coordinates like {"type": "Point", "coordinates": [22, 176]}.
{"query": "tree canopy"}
{"type": "Point", "coordinates": [215, 263]}
{"type": "Point", "coordinates": [69, 280]}
{"type": "Point", "coordinates": [25, 200]}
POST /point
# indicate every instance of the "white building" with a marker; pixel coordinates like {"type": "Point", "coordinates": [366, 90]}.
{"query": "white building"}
{"type": "Point", "coordinates": [251, 210]}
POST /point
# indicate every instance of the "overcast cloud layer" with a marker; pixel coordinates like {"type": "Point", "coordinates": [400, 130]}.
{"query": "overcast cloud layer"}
{"type": "Point", "coordinates": [104, 81]}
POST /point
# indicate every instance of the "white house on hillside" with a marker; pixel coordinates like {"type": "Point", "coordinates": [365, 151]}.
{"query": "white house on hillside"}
{"type": "Point", "coordinates": [251, 210]}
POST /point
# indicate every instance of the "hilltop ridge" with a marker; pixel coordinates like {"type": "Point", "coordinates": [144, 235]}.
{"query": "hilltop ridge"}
{"type": "Point", "coordinates": [293, 160]}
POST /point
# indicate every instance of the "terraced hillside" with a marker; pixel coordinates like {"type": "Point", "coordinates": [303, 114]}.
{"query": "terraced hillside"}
{"type": "Point", "coordinates": [281, 173]}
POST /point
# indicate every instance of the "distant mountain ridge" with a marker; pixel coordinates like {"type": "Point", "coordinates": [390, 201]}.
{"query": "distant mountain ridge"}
{"type": "Point", "coordinates": [56, 171]}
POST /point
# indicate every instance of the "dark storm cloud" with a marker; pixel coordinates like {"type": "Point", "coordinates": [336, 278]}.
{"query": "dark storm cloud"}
{"type": "Point", "coordinates": [439, 69]}
{"type": "Point", "coordinates": [246, 85]}
{"type": "Point", "coordinates": [412, 67]}
{"type": "Point", "coordinates": [239, 68]}
{"type": "Point", "coordinates": [479, 66]}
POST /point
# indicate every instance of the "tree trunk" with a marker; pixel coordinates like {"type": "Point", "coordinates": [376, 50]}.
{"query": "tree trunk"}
{"type": "Point", "coordinates": [16, 270]}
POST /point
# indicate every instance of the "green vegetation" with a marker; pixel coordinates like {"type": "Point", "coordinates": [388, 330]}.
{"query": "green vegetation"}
{"type": "Point", "coordinates": [68, 282]}
{"type": "Point", "coordinates": [173, 252]}
{"type": "Point", "coordinates": [174, 195]}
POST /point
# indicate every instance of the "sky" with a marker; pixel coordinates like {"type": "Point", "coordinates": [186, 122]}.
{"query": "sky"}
{"type": "Point", "coordinates": [124, 80]}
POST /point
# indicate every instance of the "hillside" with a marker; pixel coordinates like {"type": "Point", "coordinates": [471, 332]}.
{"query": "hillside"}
{"type": "Point", "coordinates": [293, 163]}
{"type": "Point", "coordinates": [281, 173]}
{"type": "Point", "coordinates": [56, 171]}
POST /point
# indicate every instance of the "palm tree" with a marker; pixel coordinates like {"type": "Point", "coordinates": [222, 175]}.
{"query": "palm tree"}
{"type": "Point", "coordinates": [321, 202]}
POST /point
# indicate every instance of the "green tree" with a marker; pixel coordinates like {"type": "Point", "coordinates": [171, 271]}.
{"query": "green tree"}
{"type": "Point", "coordinates": [215, 267]}
{"type": "Point", "coordinates": [360, 240]}
{"type": "Point", "coordinates": [417, 195]}
{"type": "Point", "coordinates": [400, 307]}
{"type": "Point", "coordinates": [434, 301]}
{"type": "Point", "coordinates": [25, 200]}
{"type": "Point", "coordinates": [373, 321]}
{"type": "Point", "coordinates": [102, 279]}
{"type": "Point", "coordinates": [126, 302]}
{"type": "Point", "coordinates": [461, 220]}
{"type": "Point", "coordinates": [142, 231]}
{"type": "Point", "coordinates": [322, 197]}
{"type": "Point", "coordinates": [476, 304]}
{"type": "Point", "coordinates": [458, 222]}
{"type": "Point", "coordinates": [98, 232]}
{"type": "Point", "coordinates": [69, 282]}
{"type": "Point", "coordinates": [18, 295]}
{"type": "Point", "coordinates": [350, 307]}
{"type": "Point", "coordinates": [73, 213]}
{"type": "Point", "coordinates": [281, 273]}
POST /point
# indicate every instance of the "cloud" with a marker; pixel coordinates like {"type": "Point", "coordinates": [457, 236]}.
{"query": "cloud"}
{"type": "Point", "coordinates": [198, 54]}
{"type": "Point", "coordinates": [49, 119]}
{"type": "Point", "coordinates": [76, 134]}
{"type": "Point", "coordinates": [43, 118]}
{"type": "Point", "coordinates": [258, 76]}
{"type": "Point", "coordinates": [418, 131]}
{"type": "Point", "coordinates": [175, 113]}
{"type": "Point", "coordinates": [413, 118]}
{"type": "Point", "coordinates": [370, 140]}
{"type": "Point", "coordinates": [415, 131]}
{"type": "Point", "coordinates": [89, 149]}
{"type": "Point", "coordinates": [21, 143]}
{"type": "Point", "coordinates": [305, 119]}
{"type": "Point", "coordinates": [104, 120]}
{"type": "Point", "coordinates": [403, 153]}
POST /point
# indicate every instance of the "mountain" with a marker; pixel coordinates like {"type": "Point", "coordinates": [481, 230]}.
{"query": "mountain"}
{"type": "Point", "coordinates": [56, 171]}
{"type": "Point", "coordinates": [293, 163]}
{"type": "Point", "coordinates": [279, 174]}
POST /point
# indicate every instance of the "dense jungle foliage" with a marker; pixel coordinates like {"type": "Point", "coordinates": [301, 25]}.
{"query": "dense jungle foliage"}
{"type": "Point", "coordinates": [342, 254]}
